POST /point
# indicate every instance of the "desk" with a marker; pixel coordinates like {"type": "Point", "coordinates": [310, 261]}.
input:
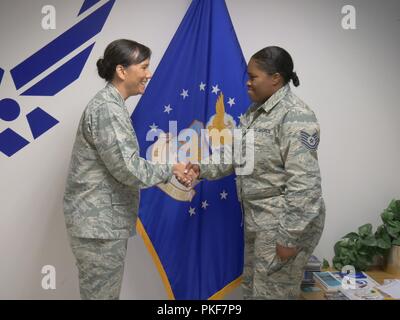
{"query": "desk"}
{"type": "Point", "coordinates": [378, 275]}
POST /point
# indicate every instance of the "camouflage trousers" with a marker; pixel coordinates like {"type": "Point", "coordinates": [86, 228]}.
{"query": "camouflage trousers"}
{"type": "Point", "coordinates": [100, 264]}
{"type": "Point", "coordinates": [265, 276]}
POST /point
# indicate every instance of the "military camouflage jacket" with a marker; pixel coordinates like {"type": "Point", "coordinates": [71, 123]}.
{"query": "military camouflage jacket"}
{"type": "Point", "coordinates": [283, 192]}
{"type": "Point", "coordinates": [102, 192]}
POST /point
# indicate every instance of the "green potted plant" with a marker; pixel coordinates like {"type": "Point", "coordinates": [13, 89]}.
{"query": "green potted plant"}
{"type": "Point", "coordinates": [388, 237]}
{"type": "Point", "coordinates": [356, 249]}
{"type": "Point", "coordinates": [362, 249]}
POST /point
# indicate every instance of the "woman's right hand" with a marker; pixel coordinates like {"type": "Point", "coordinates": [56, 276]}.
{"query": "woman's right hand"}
{"type": "Point", "coordinates": [192, 170]}
{"type": "Point", "coordinates": [184, 176]}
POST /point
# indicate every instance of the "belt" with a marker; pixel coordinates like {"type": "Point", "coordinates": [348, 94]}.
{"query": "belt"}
{"type": "Point", "coordinates": [263, 193]}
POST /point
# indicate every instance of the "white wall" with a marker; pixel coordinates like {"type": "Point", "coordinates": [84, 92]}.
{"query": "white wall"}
{"type": "Point", "coordinates": [349, 77]}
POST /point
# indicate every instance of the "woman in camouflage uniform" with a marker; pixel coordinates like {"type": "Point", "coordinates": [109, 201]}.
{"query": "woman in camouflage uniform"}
{"type": "Point", "coordinates": [281, 198]}
{"type": "Point", "coordinates": [106, 173]}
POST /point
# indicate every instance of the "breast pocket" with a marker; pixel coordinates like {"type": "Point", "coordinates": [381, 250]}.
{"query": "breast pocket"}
{"type": "Point", "coordinates": [263, 137]}
{"type": "Point", "coordinates": [264, 146]}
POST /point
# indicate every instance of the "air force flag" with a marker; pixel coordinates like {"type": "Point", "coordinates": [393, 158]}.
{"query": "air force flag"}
{"type": "Point", "coordinates": [196, 239]}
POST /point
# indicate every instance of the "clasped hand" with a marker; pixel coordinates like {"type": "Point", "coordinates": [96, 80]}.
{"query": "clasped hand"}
{"type": "Point", "coordinates": [186, 174]}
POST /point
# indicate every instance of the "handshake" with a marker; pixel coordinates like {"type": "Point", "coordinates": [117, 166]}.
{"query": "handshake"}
{"type": "Point", "coordinates": [187, 174]}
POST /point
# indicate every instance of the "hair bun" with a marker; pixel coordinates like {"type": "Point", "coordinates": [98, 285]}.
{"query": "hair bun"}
{"type": "Point", "coordinates": [295, 79]}
{"type": "Point", "coordinates": [101, 69]}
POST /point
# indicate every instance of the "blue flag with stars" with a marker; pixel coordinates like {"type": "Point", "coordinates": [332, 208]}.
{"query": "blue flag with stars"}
{"type": "Point", "coordinates": [197, 245]}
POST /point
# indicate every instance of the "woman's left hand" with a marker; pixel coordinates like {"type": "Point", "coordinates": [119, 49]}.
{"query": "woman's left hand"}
{"type": "Point", "coordinates": [285, 253]}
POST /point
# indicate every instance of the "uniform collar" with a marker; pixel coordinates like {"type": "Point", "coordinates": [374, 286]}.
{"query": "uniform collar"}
{"type": "Point", "coordinates": [115, 93]}
{"type": "Point", "coordinates": [275, 98]}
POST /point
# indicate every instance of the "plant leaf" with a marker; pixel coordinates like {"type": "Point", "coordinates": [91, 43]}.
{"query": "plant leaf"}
{"type": "Point", "coordinates": [325, 264]}
{"type": "Point", "coordinates": [394, 206]}
{"type": "Point", "coordinates": [365, 230]}
{"type": "Point", "coordinates": [369, 242]}
{"type": "Point", "coordinates": [352, 236]}
{"type": "Point", "coordinates": [383, 243]}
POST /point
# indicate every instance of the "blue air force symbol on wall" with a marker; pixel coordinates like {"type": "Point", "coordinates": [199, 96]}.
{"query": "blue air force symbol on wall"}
{"type": "Point", "coordinates": [309, 141]}
{"type": "Point", "coordinates": [25, 73]}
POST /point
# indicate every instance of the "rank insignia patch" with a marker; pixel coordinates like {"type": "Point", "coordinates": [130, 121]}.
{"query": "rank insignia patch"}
{"type": "Point", "coordinates": [309, 141]}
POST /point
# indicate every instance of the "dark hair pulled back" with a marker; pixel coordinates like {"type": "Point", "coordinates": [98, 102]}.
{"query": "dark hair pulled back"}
{"type": "Point", "coordinates": [121, 52]}
{"type": "Point", "coordinates": [277, 60]}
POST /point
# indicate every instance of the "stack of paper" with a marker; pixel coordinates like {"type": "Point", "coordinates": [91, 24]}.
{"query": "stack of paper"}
{"type": "Point", "coordinates": [328, 281]}
{"type": "Point", "coordinates": [313, 265]}
{"type": "Point", "coordinates": [392, 288]}
{"type": "Point", "coordinates": [358, 286]}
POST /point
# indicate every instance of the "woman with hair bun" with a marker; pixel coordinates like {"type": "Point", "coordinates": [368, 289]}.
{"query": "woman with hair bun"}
{"type": "Point", "coordinates": [101, 199]}
{"type": "Point", "coordinates": [284, 211]}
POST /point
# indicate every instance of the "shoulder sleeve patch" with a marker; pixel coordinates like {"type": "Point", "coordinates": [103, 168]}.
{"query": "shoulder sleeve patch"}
{"type": "Point", "coordinates": [309, 141]}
